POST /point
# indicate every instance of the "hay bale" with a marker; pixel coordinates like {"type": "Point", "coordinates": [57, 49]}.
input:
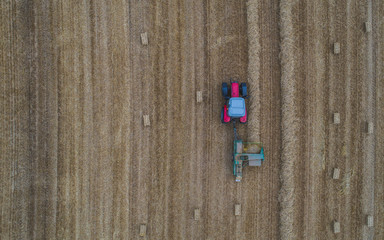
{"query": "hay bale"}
{"type": "Point", "coordinates": [199, 96]}
{"type": "Point", "coordinates": [144, 38]}
{"type": "Point", "coordinates": [146, 120]}
{"type": "Point", "coordinates": [370, 221]}
{"type": "Point", "coordinates": [336, 118]}
{"type": "Point", "coordinates": [368, 26]}
{"type": "Point", "coordinates": [196, 214]}
{"type": "Point", "coordinates": [237, 209]}
{"type": "Point", "coordinates": [336, 173]}
{"type": "Point", "coordinates": [369, 127]}
{"type": "Point", "coordinates": [336, 48]}
{"type": "Point", "coordinates": [336, 227]}
{"type": "Point", "coordinates": [143, 230]}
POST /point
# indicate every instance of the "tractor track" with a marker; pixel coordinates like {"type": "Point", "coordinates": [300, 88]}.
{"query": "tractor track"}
{"type": "Point", "coordinates": [378, 60]}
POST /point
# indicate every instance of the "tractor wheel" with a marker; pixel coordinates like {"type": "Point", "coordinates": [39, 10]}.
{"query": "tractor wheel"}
{"type": "Point", "coordinates": [224, 89]}
{"type": "Point", "coordinates": [243, 89]}
{"type": "Point", "coordinates": [243, 122]}
{"type": "Point", "coordinates": [222, 115]}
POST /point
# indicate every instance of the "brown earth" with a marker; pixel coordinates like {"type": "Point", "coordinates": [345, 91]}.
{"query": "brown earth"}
{"type": "Point", "coordinates": [78, 163]}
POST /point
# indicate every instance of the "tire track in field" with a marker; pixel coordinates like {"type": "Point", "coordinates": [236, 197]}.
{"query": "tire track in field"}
{"type": "Point", "coordinates": [45, 152]}
{"type": "Point", "coordinates": [15, 65]}
{"type": "Point", "coordinates": [299, 10]}
{"type": "Point", "coordinates": [310, 108]}
{"type": "Point", "coordinates": [188, 88]}
{"type": "Point", "coordinates": [6, 98]}
{"type": "Point", "coordinates": [378, 60]}
{"type": "Point", "coordinates": [155, 204]}
{"type": "Point", "coordinates": [86, 121]}
{"type": "Point", "coordinates": [132, 162]}
{"type": "Point", "coordinates": [316, 126]}
{"type": "Point", "coordinates": [217, 156]}
{"type": "Point", "coordinates": [122, 119]}
{"type": "Point", "coordinates": [249, 184]}
{"type": "Point", "coordinates": [74, 84]}
{"type": "Point", "coordinates": [327, 119]}
{"type": "Point", "coordinates": [349, 152]}
{"type": "Point", "coordinates": [69, 121]}
{"type": "Point", "coordinates": [75, 169]}
{"type": "Point", "coordinates": [299, 19]}
{"type": "Point", "coordinates": [200, 79]}
{"type": "Point", "coordinates": [159, 196]}
{"type": "Point", "coordinates": [193, 56]}
{"type": "Point", "coordinates": [268, 184]}
{"type": "Point", "coordinates": [164, 99]}
{"type": "Point", "coordinates": [101, 174]}
{"type": "Point", "coordinates": [201, 84]}
{"type": "Point", "coordinates": [180, 138]}
{"type": "Point", "coordinates": [233, 66]}
{"type": "Point", "coordinates": [169, 117]}
{"type": "Point", "coordinates": [207, 122]}
{"type": "Point", "coordinates": [8, 117]}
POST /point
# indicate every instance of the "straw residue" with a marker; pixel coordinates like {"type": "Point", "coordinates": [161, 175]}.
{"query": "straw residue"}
{"type": "Point", "coordinates": [289, 123]}
{"type": "Point", "coordinates": [253, 69]}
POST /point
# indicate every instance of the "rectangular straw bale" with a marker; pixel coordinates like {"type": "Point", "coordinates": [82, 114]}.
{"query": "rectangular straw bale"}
{"type": "Point", "coordinates": [237, 209]}
{"type": "Point", "coordinates": [336, 118]}
{"type": "Point", "coordinates": [336, 173]}
{"type": "Point", "coordinates": [144, 38]}
{"type": "Point", "coordinates": [336, 48]}
{"type": "Point", "coordinates": [143, 230]}
{"type": "Point", "coordinates": [336, 227]}
{"type": "Point", "coordinates": [369, 127]}
{"type": "Point", "coordinates": [146, 120]}
{"type": "Point", "coordinates": [197, 214]}
{"type": "Point", "coordinates": [370, 221]}
{"type": "Point", "coordinates": [368, 26]}
{"type": "Point", "coordinates": [199, 96]}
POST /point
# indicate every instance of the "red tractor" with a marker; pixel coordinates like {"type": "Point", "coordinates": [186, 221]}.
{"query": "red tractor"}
{"type": "Point", "coordinates": [234, 107]}
{"type": "Point", "coordinates": [245, 153]}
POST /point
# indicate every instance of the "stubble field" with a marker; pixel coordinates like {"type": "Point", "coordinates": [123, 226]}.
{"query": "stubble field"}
{"type": "Point", "coordinates": [77, 161]}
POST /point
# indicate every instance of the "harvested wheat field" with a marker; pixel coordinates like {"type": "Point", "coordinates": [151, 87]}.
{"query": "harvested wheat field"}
{"type": "Point", "coordinates": [110, 119]}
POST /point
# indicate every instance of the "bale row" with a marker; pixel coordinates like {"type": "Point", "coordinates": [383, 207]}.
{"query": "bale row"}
{"type": "Point", "coordinates": [253, 31]}
{"type": "Point", "coordinates": [289, 123]}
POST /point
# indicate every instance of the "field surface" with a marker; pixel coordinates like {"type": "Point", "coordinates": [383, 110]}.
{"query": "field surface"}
{"type": "Point", "coordinates": [77, 161]}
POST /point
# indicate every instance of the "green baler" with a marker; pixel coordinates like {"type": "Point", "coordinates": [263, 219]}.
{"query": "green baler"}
{"type": "Point", "coordinates": [245, 154]}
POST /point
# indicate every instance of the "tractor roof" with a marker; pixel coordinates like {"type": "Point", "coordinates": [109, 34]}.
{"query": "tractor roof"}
{"type": "Point", "coordinates": [236, 107]}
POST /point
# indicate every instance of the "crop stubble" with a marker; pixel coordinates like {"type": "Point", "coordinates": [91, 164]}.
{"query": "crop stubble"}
{"type": "Point", "coordinates": [346, 88]}
{"type": "Point", "coordinates": [77, 161]}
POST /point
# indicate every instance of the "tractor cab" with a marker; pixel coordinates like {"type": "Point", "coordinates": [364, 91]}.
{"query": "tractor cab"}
{"type": "Point", "coordinates": [236, 107]}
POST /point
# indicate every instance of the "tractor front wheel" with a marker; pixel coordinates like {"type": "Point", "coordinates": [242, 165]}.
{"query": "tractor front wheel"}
{"type": "Point", "coordinates": [224, 89]}
{"type": "Point", "coordinates": [243, 89]}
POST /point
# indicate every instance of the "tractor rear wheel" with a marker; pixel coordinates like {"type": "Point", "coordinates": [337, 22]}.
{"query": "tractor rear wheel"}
{"type": "Point", "coordinates": [243, 89]}
{"type": "Point", "coordinates": [222, 115]}
{"type": "Point", "coordinates": [224, 89]}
